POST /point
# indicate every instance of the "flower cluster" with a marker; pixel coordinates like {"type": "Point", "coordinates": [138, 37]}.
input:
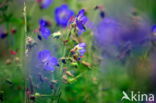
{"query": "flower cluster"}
{"type": "Point", "coordinates": [64, 16]}
{"type": "Point", "coordinates": [71, 49]}
{"type": "Point", "coordinates": [49, 62]}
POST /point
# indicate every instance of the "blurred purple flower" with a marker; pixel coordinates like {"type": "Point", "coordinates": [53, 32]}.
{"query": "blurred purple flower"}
{"type": "Point", "coordinates": [136, 33]}
{"type": "Point", "coordinates": [62, 14]}
{"type": "Point", "coordinates": [107, 33]}
{"type": "Point", "coordinates": [113, 36]}
{"type": "Point", "coordinates": [49, 62]}
{"type": "Point", "coordinates": [44, 3]}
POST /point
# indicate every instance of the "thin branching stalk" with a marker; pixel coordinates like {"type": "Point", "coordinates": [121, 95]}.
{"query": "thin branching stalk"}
{"type": "Point", "coordinates": [64, 51]}
{"type": "Point", "coordinates": [61, 68]}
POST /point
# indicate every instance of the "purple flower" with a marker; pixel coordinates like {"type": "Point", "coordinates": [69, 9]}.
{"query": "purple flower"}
{"type": "Point", "coordinates": [49, 62]}
{"type": "Point", "coordinates": [45, 3]}
{"type": "Point", "coordinates": [80, 49]}
{"type": "Point", "coordinates": [63, 14]}
{"type": "Point", "coordinates": [44, 23]}
{"type": "Point", "coordinates": [45, 32]}
{"type": "Point", "coordinates": [81, 20]}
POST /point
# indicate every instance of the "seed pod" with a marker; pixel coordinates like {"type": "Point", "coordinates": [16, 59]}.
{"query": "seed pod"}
{"type": "Point", "coordinates": [65, 77]}
{"type": "Point", "coordinates": [8, 61]}
{"type": "Point", "coordinates": [74, 64]}
{"type": "Point", "coordinates": [17, 60]}
{"type": "Point", "coordinates": [86, 63]}
{"type": "Point", "coordinates": [56, 34]}
{"type": "Point", "coordinates": [75, 57]}
{"type": "Point", "coordinates": [69, 73]}
{"type": "Point", "coordinates": [36, 94]}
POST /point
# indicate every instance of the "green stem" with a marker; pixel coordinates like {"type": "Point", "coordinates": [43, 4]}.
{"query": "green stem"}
{"type": "Point", "coordinates": [22, 53]}
{"type": "Point", "coordinates": [64, 51]}
{"type": "Point", "coordinates": [100, 93]}
{"type": "Point", "coordinates": [61, 66]}
{"type": "Point", "coordinates": [23, 47]}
